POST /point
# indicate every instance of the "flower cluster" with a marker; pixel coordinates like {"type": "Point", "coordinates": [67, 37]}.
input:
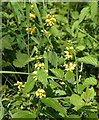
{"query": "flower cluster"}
{"type": "Point", "coordinates": [39, 65]}
{"type": "Point", "coordinates": [19, 84]}
{"type": "Point", "coordinates": [32, 16]}
{"type": "Point", "coordinates": [70, 66]}
{"type": "Point", "coordinates": [68, 55]}
{"type": "Point", "coordinates": [31, 30]}
{"type": "Point", "coordinates": [40, 93]}
{"type": "Point", "coordinates": [50, 20]}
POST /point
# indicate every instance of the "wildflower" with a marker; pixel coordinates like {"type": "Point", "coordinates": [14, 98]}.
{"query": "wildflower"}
{"type": "Point", "coordinates": [39, 65]}
{"type": "Point", "coordinates": [70, 66]}
{"type": "Point", "coordinates": [69, 48]}
{"type": "Point", "coordinates": [68, 56]}
{"type": "Point", "coordinates": [32, 16]}
{"type": "Point", "coordinates": [46, 33]}
{"type": "Point", "coordinates": [30, 30]}
{"type": "Point", "coordinates": [50, 20]}
{"type": "Point", "coordinates": [19, 84]}
{"type": "Point", "coordinates": [62, 83]}
{"type": "Point", "coordinates": [40, 93]}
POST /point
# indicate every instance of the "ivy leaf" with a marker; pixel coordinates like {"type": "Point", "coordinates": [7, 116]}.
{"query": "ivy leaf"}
{"type": "Point", "coordinates": [42, 77]}
{"type": "Point", "coordinates": [77, 101]}
{"type": "Point", "coordinates": [88, 94]}
{"type": "Point", "coordinates": [53, 58]}
{"type": "Point", "coordinates": [57, 72]}
{"type": "Point", "coordinates": [29, 84]}
{"type": "Point", "coordinates": [21, 61]}
{"type": "Point", "coordinates": [89, 60]}
{"type": "Point", "coordinates": [24, 114]}
{"type": "Point", "coordinates": [51, 102]}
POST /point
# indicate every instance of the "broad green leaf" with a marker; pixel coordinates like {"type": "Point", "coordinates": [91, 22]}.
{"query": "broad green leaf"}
{"type": "Point", "coordinates": [83, 13]}
{"type": "Point", "coordinates": [53, 58]}
{"type": "Point", "coordinates": [58, 72]}
{"type": "Point", "coordinates": [89, 81]}
{"type": "Point", "coordinates": [60, 92]}
{"type": "Point", "coordinates": [88, 95]}
{"type": "Point", "coordinates": [81, 35]}
{"type": "Point", "coordinates": [80, 48]}
{"type": "Point", "coordinates": [29, 84]}
{"type": "Point", "coordinates": [88, 60]}
{"type": "Point", "coordinates": [7, 42]}
{"type": "Point", "coordinates": [77, 101]}
{"type": "Point", "coordinates": [1, 111]}
{"type": "Point", "coordinates": [24, 114]}
{"type": "Point", "coordinates": [94, 10]}
{"type": "Point", "coordinates": [55, 31]}
{"type": "Point", "coordinates": [75, 15]}
{"type": "Point", "coordinates": [51, 102]}
{"type": "Point", "coordinates": [22, 59]}
{"type": "Point", "coordinates": [42, 77]}
{"type": "Point", "coordinates": [69, 76]}
{"type": "Point", "coordinates": [75, 25]}
{"type": "Point", "coordinates": [54, 84]}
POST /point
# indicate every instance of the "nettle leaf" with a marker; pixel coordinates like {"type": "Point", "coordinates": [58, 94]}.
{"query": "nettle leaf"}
{"type": "Point", "coordinates": [58, 72]}
{"type": "Point", "coordinates": [22, 60]}
{"type": "Point", "coordinates": [77, 101]}
{"type": "Point", "coordinates": [51, 102]}
{"type": "Point", "coordinates": [89, 81]}
{"type": "Point", "coordinates": [88, 60]}
{"type": "Point", "coordinates": [29, 84]}
{"type": "Point", "coordinates": [88, 95]}
{"type": "Point", "coordinates": [83, 14]}
{"type": "Point", "coordinates": [55, 31]}
{"type": "Point", "coordinates": [53, 58]}
{"type": "Point", "coordinates": [24, 114]}
{"type": "Point", "coordinates": [69, 76]}
{"type": "Point", "coordinates": [7, 42]}
{"type": "Point", "coordinates": [42, 77]}
{"type": "Point", "coordinates": [80, 48]}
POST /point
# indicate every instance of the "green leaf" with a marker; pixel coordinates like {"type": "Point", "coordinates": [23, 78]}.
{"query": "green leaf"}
{"type": "Point", "coordinates": [77, 101]}
{"type": "Point", "coordinates": [89, 81]}
{"type": "Point", "coordinates": [51, 102]}
{"type": "Point", "coordinates": [1, 111]}
{"type": "Point", "coordinates": [75, 15]}
{"type": "Point", "coordinates": [7, 42]}
{"type": "Point", "coordinates": [57, 72]}
{"type": "Point", "coordinates": [29, 84]}
{"type": "Point", "coordinates": [22, 59]}
{"type": "Point", "coordinates": [83, 13]}
{"type": "Point", "coordinates": [81, 35]}
{"type": "Point", "coordinates": [69, 76]}
{"type": "Point", "coordinates": [80, 48]}
{"type": "Point", "coordinates": [88, 60]}
{"type": "Point", "coordinates": [88, 95]}
{"type": "Point", "coordinates": [42, 77]}
{"type": "Point", "coordinates": [53, 58]}
{"type": "Point", "coordinates": [55, 31]}
{"type": "Point", "coordinates": [24, 114]}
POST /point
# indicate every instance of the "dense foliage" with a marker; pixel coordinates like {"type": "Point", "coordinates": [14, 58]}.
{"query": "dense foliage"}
{"type": "Point", "coordinates": [49, 60]}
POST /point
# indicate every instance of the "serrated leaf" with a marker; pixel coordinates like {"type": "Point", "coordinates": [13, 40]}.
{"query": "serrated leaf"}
{"type": "Point", "coordinates": [89, 81]}
{"type": "Point", "coordinates": [51, 102]}
{"type": "Point", "coordinates": [80, 48]}
{"type": "Point", "coordinates": [88, 94]}
{"type": "Point", "coordinates": [22, 59]}
{"type": "Point", "coordinates": [53, 58]}
{"type": "Point", "coordinates": [42, 77]}
{"type": "Point", "coordinates": [24, 114]}
{"type": "Point", "coordinates": [29, 84]}
{"type": "Point", "coordinates": [77, 101]}
{"type": "Point", "coordinates": [88, 60]}
{"type": "Point", "coordinates": [69, 76]}
{"type": "Point", "coordinates": [57, 72]}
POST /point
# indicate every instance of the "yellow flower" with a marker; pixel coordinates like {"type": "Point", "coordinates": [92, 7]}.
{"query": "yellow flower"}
{"type": "Point", "coordinates": [39, 65]}
{"type": "Point", "coordinates": [46, 33]}
{"type": "Point", "coordinates": [70, 66]}
{"type": "Point", "coordinates": [69, 48]}
{"type": "Point", "coordinates": [30, 30]}
{"type": "Point", "coordinates": [40, 93]}
{"type": "Point", "coordinates": [19, 84]}
{"type": "Point", "coordinates": [32, 16]}
{"type": "Point", "coordinates": [50, 20]}
{"type": "Point", "coordinates": [68, 56]}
